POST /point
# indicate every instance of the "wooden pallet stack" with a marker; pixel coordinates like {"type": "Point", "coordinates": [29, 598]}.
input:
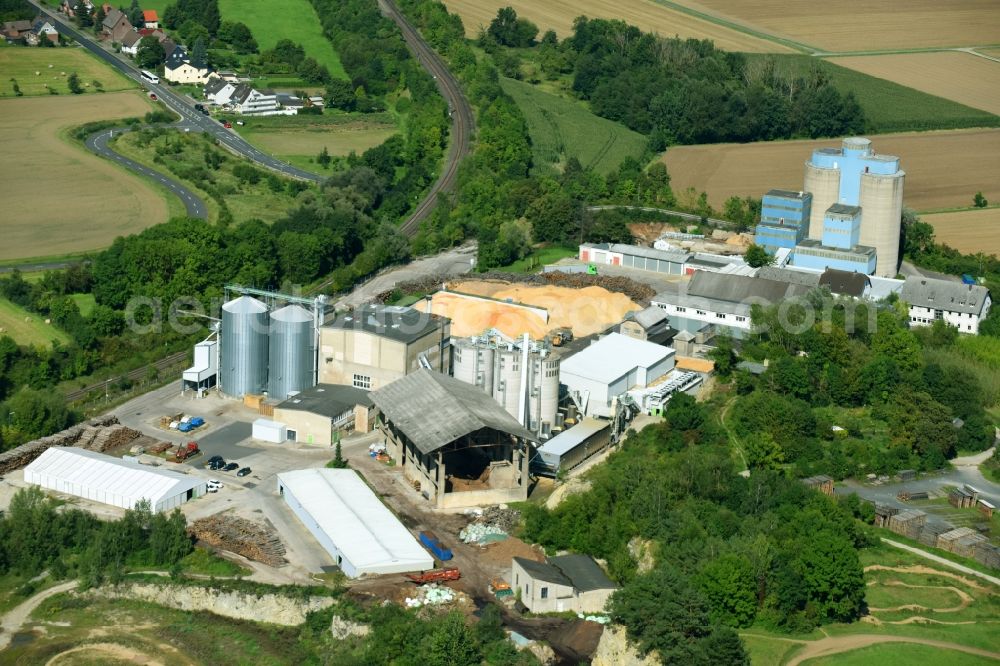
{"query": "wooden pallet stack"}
{"type": "Point", "coordinates": [253, 541]}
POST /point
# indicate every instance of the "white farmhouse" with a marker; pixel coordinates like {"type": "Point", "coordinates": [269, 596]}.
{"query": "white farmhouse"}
{"type": "Point", "coordinates": [964, 306]}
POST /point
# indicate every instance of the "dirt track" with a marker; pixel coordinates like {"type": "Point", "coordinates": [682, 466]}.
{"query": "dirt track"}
{"type": "Point", "coordinates": [836, 644]}
{"type": "Point", "coordinates": [17, 616]}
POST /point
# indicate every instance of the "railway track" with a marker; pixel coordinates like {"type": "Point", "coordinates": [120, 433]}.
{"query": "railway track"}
{"type": "Point", "coordinates": [133, 375]}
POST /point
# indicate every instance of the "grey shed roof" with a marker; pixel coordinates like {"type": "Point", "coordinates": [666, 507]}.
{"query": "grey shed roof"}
{"type": "Point", "coordinates": [650, 317]}
{"type": "Point", "coordinates": [789, 194]}
{"type": "Point", "coordinates": [543, 571]}
{"type": "Point", "coordinates": [403, 324]}
{"type": "Point", "coordinates": [807, 279]}
{"type": "Point", "coordinates": [583, 571]}
{"type": "Point", "coordinates": [434, 410]}
{"type": "Point", "coordinates": [926, 292]}
{"type": "Point", "coordinates": [112, 17]}
{"type": "Point", "coordinates": [214, 85]}
{"type": "Point", "coordinates": [675, 256]}
{"type": "Point", "coordinates": [850, 283]}
{"type": "Point", "coordinates": [740, 288]}
{"type": "Point", "coordinates": [843, 209]}
{"type": "Point", "coordinates": [327, 400]}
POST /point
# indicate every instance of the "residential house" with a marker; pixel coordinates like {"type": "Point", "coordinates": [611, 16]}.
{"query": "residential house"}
{"type": "Point", "coordinates": [41, 29]}
{"type": "Point", "coordinates": [178, 68]}
{"type": "Point", "coordinates": [247, 101]}
{"type": "Point", "coordinates": [567, 583]}
{"type": "Point", "coordinates": [150, 19]}
{"type": "Point", "coordinates": [964, 306]}
{"type": "Point", "coordinates": [218, 91]}
{"type": "Point", "coordinates": [115, 26]}
{"type": "Point", "coordinates": [130, 43]}
{"type": "Point", "coordinates": [14, 31]}
{"type": "Point", "coordinates": [651, 325]}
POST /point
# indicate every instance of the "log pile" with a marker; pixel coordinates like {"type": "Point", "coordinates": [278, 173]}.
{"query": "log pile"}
{"type": "Point", "coordinates": [26, 453]}
{"type": "Point", "coordinates": [636, 291]}
{"type": "Point", "coordinates": [103, 439]}
{"type": "Point", "coordinates": [253, 541]}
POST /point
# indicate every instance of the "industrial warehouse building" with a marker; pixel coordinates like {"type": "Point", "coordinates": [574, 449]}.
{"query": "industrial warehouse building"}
{"type": "Point", "coordinates": [455, 443]}
{"type": "Point", "coordinates": [671, 262]}
{"type": "Point", "coordinates": [351, 523]}
{"type": "Point", "coordinates": [312, 416]}
{"type": "Point", "coordinates": [571, 447]}
{"type": "Point", "coordinates": [108, 480]}
{"type": "Point", "coordinates": [377, 344]}
{"type": "Point", "coordinates": [568, 583]}
{"type": "Point", "coordinates": [610, 367]}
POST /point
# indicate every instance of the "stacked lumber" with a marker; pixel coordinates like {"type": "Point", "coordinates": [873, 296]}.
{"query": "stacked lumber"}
{"type": "Point", "coordinates": [112, 437]}
{"type": "Point", "coordinates": [26, 453]}
{"type": "Point", "coordinates": [253, 541]}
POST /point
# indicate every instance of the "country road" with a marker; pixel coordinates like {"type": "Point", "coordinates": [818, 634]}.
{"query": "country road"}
{"type": "Point", "coordinates": [98, 143]}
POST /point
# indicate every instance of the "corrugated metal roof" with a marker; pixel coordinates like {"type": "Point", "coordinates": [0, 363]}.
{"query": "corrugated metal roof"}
{"type": "Point", "coordinates": [583, 571]}
{"type": "Point", "coordinates": [358, 523]}
{"type": "Point", "coordinates": [109, 475]}
{"type": "Point", "coordinates": [568, 439]}
{"type": "Point", "coordinates": [675, 256]}
{"type": "Point", "coordinates": [434, 410]}
{"type": "Point", "coordinates": [613, 356]}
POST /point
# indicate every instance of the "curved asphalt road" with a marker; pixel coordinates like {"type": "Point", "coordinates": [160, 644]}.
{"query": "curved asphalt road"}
{"type": "Point", "coordinates": [98, 143]}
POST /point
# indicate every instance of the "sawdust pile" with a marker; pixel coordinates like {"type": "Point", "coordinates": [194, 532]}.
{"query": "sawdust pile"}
{"type": "Point", "coordinates": [586, 311]}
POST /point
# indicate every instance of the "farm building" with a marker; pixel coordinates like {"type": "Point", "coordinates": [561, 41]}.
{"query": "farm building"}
{"type": "Point", "coordinates": [571, 447]}
{"type": "Point", "coordinates": [986, 508]}
{"type": "Point", "coordinates": [568, 583]}
{"type": "Point", "coordinates": [377, 344]}
{"type": "Point", "coordinates": [316, 413]}
{"type": "Point", "coordinates": [963, 306]}
{"type": "Point", "coordinates": [671, 262]}
{"type": "Point", "coordinates": [351, 523]}
{"type": "Point", "coordinates": [456, 444]}
{"type": "Point", "coordinates": [822, 483]}
{"type": "Point", "coordinates": [610, 367]}
{"type": "Point", "coordinates": [110, 480]}
{"type": "Point", "coordinates": [883, 513]}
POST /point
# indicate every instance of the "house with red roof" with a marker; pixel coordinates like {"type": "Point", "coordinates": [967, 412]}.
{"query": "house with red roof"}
{"type": "Point", "coordinates": [150, 18]}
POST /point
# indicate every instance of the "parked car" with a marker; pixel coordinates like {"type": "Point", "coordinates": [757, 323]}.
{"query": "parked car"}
{"type": "Point", "coordinates": [199, 107]}
{"type": "Point", "coordinates": [215, 482]}
{"type": "Point", "coordinates": [152, 96]}
{"type": "Point", "coordinates": [230, 467]}
{"type": "Point", "coordinates": [227, 125]}
{"type": "Point", "coordinates": [217, 465]}
{"type": "Point", "coordinates": [216, 459]}
{"type": "Point", "coordinates": [244, 472]}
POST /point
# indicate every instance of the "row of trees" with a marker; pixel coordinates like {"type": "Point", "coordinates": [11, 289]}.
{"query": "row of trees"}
{"type": "Point", "coordinates": [37, 535]}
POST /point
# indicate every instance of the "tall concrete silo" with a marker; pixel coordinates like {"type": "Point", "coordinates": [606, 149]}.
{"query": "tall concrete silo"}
{"type": "Point", "coordinates": [473, 362]}
{"type": "Point", "coordinates": [881, 218]}
{"type": "Point", "coordinates": [822, 180]}
{"type": "Point", "coordinates": [243, 351]}
{"type": "Point", "coordinates": [292, 351]}
{"type": "Point", "coordinates": [548, 400]}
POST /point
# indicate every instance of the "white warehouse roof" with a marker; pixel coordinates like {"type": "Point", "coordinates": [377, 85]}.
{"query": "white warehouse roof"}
{"type": "Point", "coordinates": [109, 480]}
{"type": "Point", "coordinates": [614, 356]}
{"type": "Point", "coordinates": [362, 529]}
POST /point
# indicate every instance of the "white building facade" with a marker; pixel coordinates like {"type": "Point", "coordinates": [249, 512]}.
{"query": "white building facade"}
{"type": "Point", "coordinates": [963, 306]}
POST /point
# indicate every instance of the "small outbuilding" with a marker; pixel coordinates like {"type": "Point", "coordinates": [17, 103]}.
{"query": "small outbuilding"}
{"type": "Point", "coordinates": [312, 416]}
{"type": "Point", "coordinates": [572, 583]}
{"type": "Point", "coordinates": [571, 447]}
{"type": "Point", "coordinates": [351, 523]}
{"type": "Point", "coordinates": [108, 480]}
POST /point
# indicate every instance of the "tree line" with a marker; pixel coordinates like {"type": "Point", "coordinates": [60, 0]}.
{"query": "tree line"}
{"type": "Point", "coordinates": [37, 535]}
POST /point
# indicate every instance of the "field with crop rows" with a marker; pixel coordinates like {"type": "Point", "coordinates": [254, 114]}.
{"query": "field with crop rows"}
{"type": "Point", "coordinates": [38, 70]}
{"type": "Point", "coordinates": [83, 202]}
{"type": "Point", "coordinates": [888, 106]}
{"type": "Point", "coordinates": [968, 231]}
{"type": "Point", "coordinates": [648, 15]}
{"type": "Point", "coordinates": [943, 169]}
{"type": "Point", "coordinates": [561, 128]}
{"type": "Point", "coordinates": [271, 20]}
{"type": "Point", "coordinates": [864, 25]}
{"type": "Point", "coordinates": [961, 77]}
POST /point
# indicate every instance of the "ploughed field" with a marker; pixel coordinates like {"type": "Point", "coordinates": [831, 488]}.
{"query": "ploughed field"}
{"type": "Point", "coordinates": [865, 25]}
{"type": "Point", "coordinates": [60, 198]}
{"type": "Point", "coordinates": [943, 169]}
{"type": "Point", "coordinates": [648, 15]}
{"type": "Point", "coordinates": [968, 231]}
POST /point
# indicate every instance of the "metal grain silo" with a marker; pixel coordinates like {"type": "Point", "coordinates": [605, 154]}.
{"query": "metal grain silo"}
{"type": "Point", "coordinates": [549, 390]}
{"type": "Point", "coordinates": [243, 352]}
{"type": "Point", "coordinates": [292, 350]}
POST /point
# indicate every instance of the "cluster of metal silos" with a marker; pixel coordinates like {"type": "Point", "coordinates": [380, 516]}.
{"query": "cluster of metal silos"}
{"type": "Point", "coordinates": [267, 351]}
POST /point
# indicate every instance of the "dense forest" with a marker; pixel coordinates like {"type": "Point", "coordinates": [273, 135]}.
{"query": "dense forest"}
{"type": "Point", "coordinates": [675, 90]}
{"type": "Point", "coordinates": [727, 550]}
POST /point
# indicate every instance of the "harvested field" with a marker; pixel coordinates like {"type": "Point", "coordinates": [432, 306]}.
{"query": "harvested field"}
{"type": "Point", "coordinates": [861, 25]}
{"type": "Point", "coordinates": [962, 77]}
{"type": "Point", "coordinates": [645, 14]}
{"type": "Point", "coordinates": [943, 169]}
{"type": "Point", "coordinates": [37, 70]}
{"type": "Point", "coordinates": [968, 231]}
{"type": "Point", "coordinates": [338, 140]}
{"type": "Point", "coordinates": [28, 328]}
{"type": "Point", "coordinates": [95, 200]}
{"type": "Point", "coordinates": [587, 311]}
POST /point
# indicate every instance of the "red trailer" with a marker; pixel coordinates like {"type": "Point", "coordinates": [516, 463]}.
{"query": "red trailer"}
{"type": "Point", "coordinates": [436, 575]}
